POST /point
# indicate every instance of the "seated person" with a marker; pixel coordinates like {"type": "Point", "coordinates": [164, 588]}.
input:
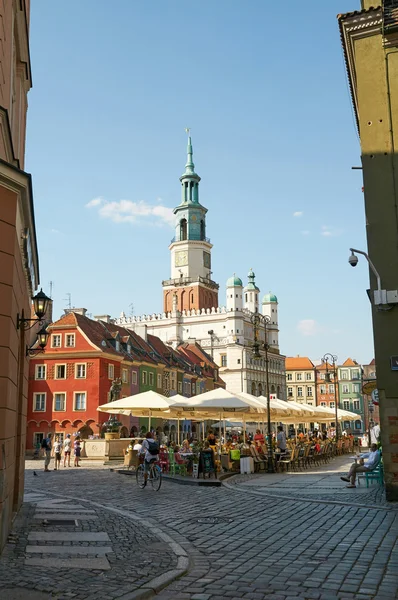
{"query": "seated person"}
{"type": "Point", "coordinates": [258, 438]}
{"type": "Point", "coordinates": [186, 447]}
{"type": "Point", "coordinates": [177, 457]}
{"type": "Point", "coordinates": [363, 467]}
{"type": "Point", "coordinates": [211, 438]}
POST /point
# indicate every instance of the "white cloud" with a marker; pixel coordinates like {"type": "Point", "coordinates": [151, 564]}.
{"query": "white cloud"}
{"type": "Point", "coordinates": [308, 327]}
{"type": "Point", "coordinates": [94, 202]}
{"type": "Point", "coordinates": [298, 213]}
{"type": "Point", "coordinates": [327, 231]}
{"type": "Point", "coordinates": [55, 231]}
{"type": "Point", "coordinates": [305, 232]}
{"type": "Point", "coordinates": [127, 211]}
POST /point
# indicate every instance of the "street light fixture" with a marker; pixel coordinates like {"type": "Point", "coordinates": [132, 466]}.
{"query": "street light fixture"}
{"type": "Point", "coordinates": [332, 359]}
{"type": "Point", "coordinates": [257, 319]}
{"type": "Point", "coordinates": [40, 304]}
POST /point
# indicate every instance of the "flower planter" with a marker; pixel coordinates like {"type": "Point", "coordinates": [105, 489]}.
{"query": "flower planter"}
{"type": "Point", "coordinates": [112, 435]}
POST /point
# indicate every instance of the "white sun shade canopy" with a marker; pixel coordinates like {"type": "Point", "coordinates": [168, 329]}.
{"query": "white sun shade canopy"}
{"type": "Point", "coordinates": [218, 400]}
{"type": "Point", "coordinates": [139, 404]}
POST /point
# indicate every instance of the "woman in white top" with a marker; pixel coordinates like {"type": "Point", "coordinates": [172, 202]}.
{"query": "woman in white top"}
{"type": "Point", "coordinates": [67, 449]}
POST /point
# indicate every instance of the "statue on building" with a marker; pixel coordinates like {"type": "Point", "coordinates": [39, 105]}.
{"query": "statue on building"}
{"type": "Point", "coordinates": [175, 302]}
{"type": "Point", "coordinates": [116, 388]}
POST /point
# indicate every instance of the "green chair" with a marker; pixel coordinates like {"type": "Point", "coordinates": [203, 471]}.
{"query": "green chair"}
{"type": "Point", "coordinates": [175, 467]}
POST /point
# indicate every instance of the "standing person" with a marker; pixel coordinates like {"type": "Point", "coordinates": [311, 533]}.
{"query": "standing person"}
{"type": "Point", "coordinates": [150, 449]}
{"type": "Point", "coordinates": [211, 438]}
{"type": "Point", "coordinates": [57, 453]}
{"type": "Point", "coordinates": [281, 439]}
{"type": "Point", "coordinates": [67, 449]}
{"type": "Point", "coordinates": [46, 445]}
{"type": "Point", "coordinates": [259, 438]}
{"type": "Point", "coordinates": [77, 449]}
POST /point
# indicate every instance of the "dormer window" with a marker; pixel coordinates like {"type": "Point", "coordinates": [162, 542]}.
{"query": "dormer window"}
{"type": "Point", "coordinates": [117, 345]}
{"type": "Point", "coordinates": [128, 349]}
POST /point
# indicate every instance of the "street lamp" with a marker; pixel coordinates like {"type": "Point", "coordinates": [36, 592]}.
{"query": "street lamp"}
{"type": "Point", "coordinates": [331, 359]}
{"type": "Point", "coordinates": [40, 304]}
{"type": "Point", "coordinates": [257, 319]}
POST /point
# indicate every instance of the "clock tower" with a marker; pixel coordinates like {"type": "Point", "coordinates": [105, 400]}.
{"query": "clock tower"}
{"type": "Point", "coordinates": [190, 286]}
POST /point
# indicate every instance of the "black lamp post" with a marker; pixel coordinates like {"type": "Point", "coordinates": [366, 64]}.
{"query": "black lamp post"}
{"type": "Point", "coordinates": [40, 304]}
{"type": "Point", "coordinates": [331, 359]}
{"type": "Point", "coordinates": [257, 319]}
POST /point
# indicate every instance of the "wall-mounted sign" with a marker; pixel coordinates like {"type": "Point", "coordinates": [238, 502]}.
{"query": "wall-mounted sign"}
{"type": "Point", "coordinates": [394, 363]}
{"type": "Point", "coordinates": [369, 386]}
{"type": "Point", "coordinates": [375, 397]}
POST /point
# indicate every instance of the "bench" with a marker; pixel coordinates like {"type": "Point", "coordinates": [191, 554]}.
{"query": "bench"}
{"type": "Point", "coordinates": [377, 474]}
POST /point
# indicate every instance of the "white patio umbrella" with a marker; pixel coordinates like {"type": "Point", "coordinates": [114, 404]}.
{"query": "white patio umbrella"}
{"type": "Point", "coordinates": [139, 405]}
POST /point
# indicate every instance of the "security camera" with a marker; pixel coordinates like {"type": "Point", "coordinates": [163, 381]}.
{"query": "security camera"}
{"type": "Point", "coordinates": [353, 260]}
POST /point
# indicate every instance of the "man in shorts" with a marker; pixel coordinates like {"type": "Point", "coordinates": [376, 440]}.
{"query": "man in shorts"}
{"type": "Point", "coordinates": [67, 449]}
{"type": "Point", "coordinates": [150, 449]}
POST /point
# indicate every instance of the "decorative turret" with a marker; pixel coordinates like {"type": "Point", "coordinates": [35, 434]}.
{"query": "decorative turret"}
{"type": "Point", "coordinates": [190, 249]}
{"type": "Point", "coordinates": [270, 308]}
{"type": "Point", "coordinates": [251, 293]}
{"type": "Point", "coordinates": [234, 293]}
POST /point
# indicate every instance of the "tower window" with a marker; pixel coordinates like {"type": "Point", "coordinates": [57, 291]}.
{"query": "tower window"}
{"type": "Point", "coordinates": [192, 298]}
{"type": "Point", "coordinates": [202, 230]}
{"type": "Point", "coordinates": [183, 229]}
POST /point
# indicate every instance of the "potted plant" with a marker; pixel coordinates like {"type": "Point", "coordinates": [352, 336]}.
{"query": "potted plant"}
{"type": "Point", "coordinates": [112, 426]}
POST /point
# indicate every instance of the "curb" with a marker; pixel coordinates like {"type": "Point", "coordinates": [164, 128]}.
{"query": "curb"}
{"type": "Point", "coordinates": [153, 586]}
{"type": "Point", "coordinates": [311, 500]}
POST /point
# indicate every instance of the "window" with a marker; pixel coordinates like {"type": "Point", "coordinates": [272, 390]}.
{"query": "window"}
{"type": "Point", "coordinates": [355, 405]}
{"type": "Point", "coordinates": [159, 380]}
{"type": "Point", "coordinates": [144, 377]}
{"type": "Point", "coordinates": [80, 371]}
{"type": "Point", "coordinates": [354, 374]}
{"type": "Point", "coordinates": [344, 375]}
{"type": "Point", "coordinates": [134, 377]}
{"type": "Point", "coordinates": [321, 375]}
{"type": "Point", "coordinates": [308, 376]}
{"type": "Point", "coordinates": [40, 372]}
{"type": "Point", "coordinates": [117, 346]}
{"type": "Point", "coordinates": [193, 389]}
{"type": "Point", "coordinates": [290, 376]}
{"type": "Point", "coordinates": [59, 401]}
{"type": "Point", "coordinates": [151, 378]}
{"type": "Point", "coordinates": [173, 382]}
{"type": "Point", "coordinates": [111, 371]}
{"type": "Point", "coordinates": [299, 391]}
{"type": "Point", "coordinates": [299, 376]}
{"type": "Point", "coordinates": [124, 375]}
{"type": "Point", "coordinates": [223, 360]}
{"type": "Point", "coordinates": [238, 361]}
{"type": "Point", "coordinates": [309, 391]}
{"type": "Point", "coordinates": [355, 388]}
{"type": "Point", "coordinates": [185, 387]}
{"type": "Point", "coordinates": [358, 425]}
{"type": "Point", "coordinates": [60, 371]}
{"type": "Point", "coordinates": [39, 402]}
{"type": "Point", "coordinates": [80, 401]}
{"type": "Point", "coordinates": [331, 404]}
{"type": "Point", "coordinates": [346, 404]}
{"type": "Point", "coordinates": [180, 387]}
{"type": "Point", "coordinates": [56, 341]}
{"type": "Point", "coordinates": [331, 388]}
{"type": "Point", "coordinates": [322, 388]}
{"type": "Point", "coordinates": [323, 403]}
{"type": "Point", "coordinates": [37, 439]}
{"type": "Point", "coordinates": [70, 340]}
{"type": "Point", "coordinates": [346, 389]}
{"type": "Point", "coordinates": [290, 391]}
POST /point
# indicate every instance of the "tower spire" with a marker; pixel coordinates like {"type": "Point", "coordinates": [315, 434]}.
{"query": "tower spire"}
{"type": "Point", "coordinates": [189, 167]}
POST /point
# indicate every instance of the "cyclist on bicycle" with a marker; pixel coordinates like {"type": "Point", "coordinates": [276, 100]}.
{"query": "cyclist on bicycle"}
{"type": "Point", "coordinates": [150, 448]}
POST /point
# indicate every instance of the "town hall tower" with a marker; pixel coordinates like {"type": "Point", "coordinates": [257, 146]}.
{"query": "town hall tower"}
{"type": "Point", "coordinates": [190, 285]}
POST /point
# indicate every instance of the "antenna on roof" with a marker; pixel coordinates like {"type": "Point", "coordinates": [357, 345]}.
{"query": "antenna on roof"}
{"type": "Point", "coordinates": [68, 300]}
{"type": "Point", "coordinates": [131, 307]}
{"type": "Point", "coordinates": [51, 285]}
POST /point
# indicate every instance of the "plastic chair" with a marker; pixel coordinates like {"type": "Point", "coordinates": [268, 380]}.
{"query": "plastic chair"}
{"type": "Point", "coordinates": [174, 466]}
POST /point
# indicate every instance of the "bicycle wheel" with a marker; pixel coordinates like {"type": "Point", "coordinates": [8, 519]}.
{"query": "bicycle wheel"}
{"type": "Point", "coordinates": [156, 477]}
{"type": "Point", "coordinates": [139, 475]}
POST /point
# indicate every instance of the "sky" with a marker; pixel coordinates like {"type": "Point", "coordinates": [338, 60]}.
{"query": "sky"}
{"type": "Point", "coordinates": [263, 87]}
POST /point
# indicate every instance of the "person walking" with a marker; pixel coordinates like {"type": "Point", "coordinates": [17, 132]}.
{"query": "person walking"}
{"type": "Point", "coordinates": [77, 450]}
{"type": "Point", "coordinates": [47, 445]}
{"type": "Point", "coordinates": [67, 449]}
{"type": "Point", "coordinates": [57, 453]}
{"type": "Point", "coordinates": [281, 439]}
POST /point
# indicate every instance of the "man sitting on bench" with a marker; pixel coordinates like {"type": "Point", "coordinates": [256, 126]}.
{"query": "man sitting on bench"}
{"type": "Point", "coordinates": [361, 467]}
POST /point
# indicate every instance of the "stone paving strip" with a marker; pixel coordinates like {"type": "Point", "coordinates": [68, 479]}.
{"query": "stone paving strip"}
{"type": "Point", "coordinates": [83, 550]}
{"type": "Point", "coordinates": [68, 536]}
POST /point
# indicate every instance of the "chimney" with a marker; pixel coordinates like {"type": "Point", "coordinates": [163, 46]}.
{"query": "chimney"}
{"type": "Point", "coordinates": [105, 318]}
{"type": "Point", "coordinates": [78, 311]}
{"type": "Point", "coordinates": [141, 330]}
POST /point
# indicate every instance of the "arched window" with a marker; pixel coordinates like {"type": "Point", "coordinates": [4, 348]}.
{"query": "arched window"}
{"type": "Point", "coordinates": [272, 389]}
{"type": "Point", "coordinates": [183, 229]}
{"type": "Point", "coordinates": [202, 230]}
{"type": "Point", "coordinates": [260, 389]}
{"type": "Point", "coordinates": [358, 424]}
{"type": "Point", "coordinates": [278, 391]}
{"type": "Point", "coordinates": [254, 389]}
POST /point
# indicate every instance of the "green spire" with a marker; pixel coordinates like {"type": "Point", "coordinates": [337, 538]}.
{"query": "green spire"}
{"type": "Point", "coordinates": [189, 167]}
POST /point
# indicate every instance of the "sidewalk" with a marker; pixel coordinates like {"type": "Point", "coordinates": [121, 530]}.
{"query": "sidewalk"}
{"type": "Point", "coordinates": [321, 484]}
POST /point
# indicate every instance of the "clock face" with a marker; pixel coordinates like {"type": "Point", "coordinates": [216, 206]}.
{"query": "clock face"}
{"type": "Point", "coordinates": [181, 258]}
{"type": "Point", "coordinates": [206, 260]}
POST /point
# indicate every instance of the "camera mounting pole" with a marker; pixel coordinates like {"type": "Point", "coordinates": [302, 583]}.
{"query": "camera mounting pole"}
{"type": "Point", "coordinates": [381, 297]}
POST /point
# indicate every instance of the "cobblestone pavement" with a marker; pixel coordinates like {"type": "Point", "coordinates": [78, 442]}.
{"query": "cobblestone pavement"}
{"type": "Point", "coordinates": [241, 545]}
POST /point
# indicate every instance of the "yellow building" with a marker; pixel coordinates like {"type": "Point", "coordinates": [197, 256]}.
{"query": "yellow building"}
{"type": "Point", "coordinates": [370, 42]}
{"type": "Point", "coordinates": [300, 380]}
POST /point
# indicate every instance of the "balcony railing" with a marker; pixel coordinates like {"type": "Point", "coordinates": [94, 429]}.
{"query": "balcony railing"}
{"type": "Point", "coordinates": [191, 238]}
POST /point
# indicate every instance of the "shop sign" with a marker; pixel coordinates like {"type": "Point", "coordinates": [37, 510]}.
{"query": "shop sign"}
{"type": "Point", "coordinates": [369, 386]}
{"type": "Point", "coordinates": [375, 397]}
{"type": "Point", "coordinates": [394, 363]}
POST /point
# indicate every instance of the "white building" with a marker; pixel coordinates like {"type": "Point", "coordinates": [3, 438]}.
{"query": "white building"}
{"type": "Point", "coordinates": [191, 310]}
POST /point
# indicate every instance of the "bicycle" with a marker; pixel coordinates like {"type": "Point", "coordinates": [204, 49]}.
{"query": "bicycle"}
{"type": "Point", "coordinates": [154, 476]}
